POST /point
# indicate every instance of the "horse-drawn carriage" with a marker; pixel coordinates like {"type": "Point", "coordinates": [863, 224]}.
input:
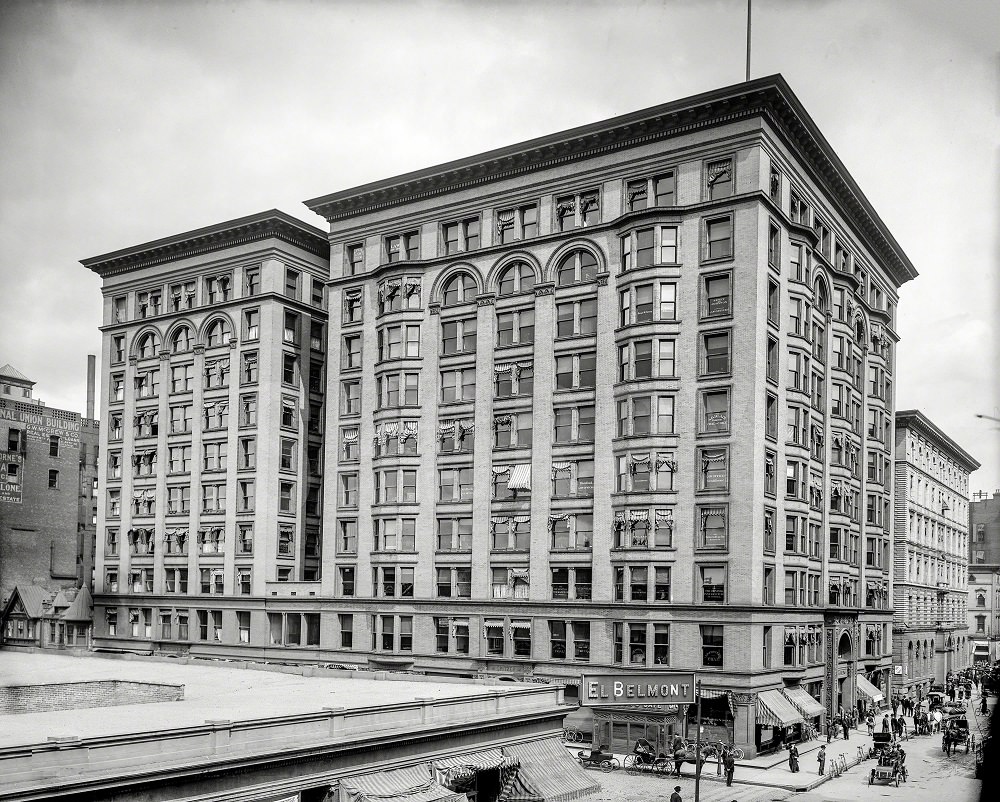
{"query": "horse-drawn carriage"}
{"type": "Point", "coordinates": [956, 733]}
{"type": "Point", "coordinates": [890, 767]}
{"type": "Point", "coordinates": [599, 758]}
{"type": "Point", "coordinates": [645, 760]}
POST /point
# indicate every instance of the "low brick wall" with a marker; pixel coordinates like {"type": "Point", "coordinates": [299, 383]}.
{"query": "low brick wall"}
{"type": "Point", "coordinates": [74, 695]}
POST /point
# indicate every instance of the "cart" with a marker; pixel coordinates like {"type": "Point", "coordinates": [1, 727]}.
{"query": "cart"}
{"type": "Point", "coordinates": [890, 769]}
{"type": "Point", "coordinates": [644, 760]}
{"type": "Point", "coordinates": [598, 759]}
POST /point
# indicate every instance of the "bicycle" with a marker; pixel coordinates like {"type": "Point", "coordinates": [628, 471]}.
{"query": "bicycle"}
{"type": "Point", "coordinates": [809, 732]}
{"type": "Point", "coordinates": [572, 734]}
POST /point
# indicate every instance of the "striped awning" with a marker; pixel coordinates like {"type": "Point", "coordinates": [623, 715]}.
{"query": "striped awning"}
{"type": "Point", "coordinates": [548, 773]}
{"type": "Point", "coordinates": [803, 701]}
{"type": "Point", "coordinates": [487, 759]}
{"type": "Point", "coordinates": [865, 688]}
{"type": "Point", "coordinates": [774, 710]}
{"type": "Point", "coordinates": [413, 784]}
{"type": "Point", "coordinates": [520, 477]}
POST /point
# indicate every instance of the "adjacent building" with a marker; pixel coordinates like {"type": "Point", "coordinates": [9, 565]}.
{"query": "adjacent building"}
{"type": "Point", "coordinates": [48, 492]}
{"type": "Point", "coordinates": [930, 554]}
{"type": "Point", "coordinates": [984, 578]}
{"type": "Point", "coordinates": [212, 452]}
{"type": "Point", "coordinates": [619, 397]}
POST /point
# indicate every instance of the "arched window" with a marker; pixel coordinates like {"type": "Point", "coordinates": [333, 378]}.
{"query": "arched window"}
{"type": "Point", "coordinates": [822, 298]}
{"type": "Point", "coordinates": [218, 333]}
{"type": "Point", "coordinates": [576, 267]}
{"type": "Point", "coordinates": [181, 341]}
{"type": "Point", "coordinates": [459, 289]}
{"type": "Point", "coordinates": [980, 600]}
{"type": "Point", "coordinates": [148, 345]}
{"type": "Point", "coordinates": [515, 278]}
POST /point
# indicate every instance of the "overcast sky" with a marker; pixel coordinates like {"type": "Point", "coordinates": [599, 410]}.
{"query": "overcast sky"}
{"type": "Point", "coordinates": [125, 122]}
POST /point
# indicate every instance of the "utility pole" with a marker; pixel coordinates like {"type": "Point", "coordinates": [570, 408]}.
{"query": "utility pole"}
{"type": "Point", "coordinates": [697, 738]}
{"type": "Point", "coordinates": [748, 38]}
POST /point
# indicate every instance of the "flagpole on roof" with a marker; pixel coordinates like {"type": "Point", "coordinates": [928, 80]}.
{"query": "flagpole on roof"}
{"type": "Point", "coordinates": [748, 38]}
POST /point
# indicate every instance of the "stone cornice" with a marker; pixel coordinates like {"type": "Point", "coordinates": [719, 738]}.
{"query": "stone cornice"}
{"type": "Point", "coordinates": [915, 420]}
{"type": "Point", "coordinates": [266, 225]}
{"type": "Point", "coordinates": [770, 98]}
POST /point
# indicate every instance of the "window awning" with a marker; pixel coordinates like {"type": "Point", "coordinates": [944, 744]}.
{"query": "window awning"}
{"type": "Point", "coordinates": [520, 477]}
{"type": "Point", "coordinates": [865, 688]}
{"type": "Point", "coordinates": [413, 784]}
{"type": "Point", "coordinates": [981, 647]}
{"type": "Point", "coordinates": [548, 773]}
{"type": "Point", "coordinates": [803, 701]}
{"type": "Point", "coordinates": [774, 710]}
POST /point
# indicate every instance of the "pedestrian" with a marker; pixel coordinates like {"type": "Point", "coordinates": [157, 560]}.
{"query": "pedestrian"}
{"type": "Point", "coordinates": [984, 708]}
{"type": "Point", "coordinates": [729, 763]}
{"type": "Point", "coordinates": [871, 724]}
{"type": "Point", "coordinates": [678, 760]}
{"type": "Point", "coordinates": [846, 730]}
{"type": "Point", "coordinates": [829, 731]}
{"type": "Point", "coordinates": [676, 795]}
{"type": "Point", "coordinates": [821, 758]}
{"type": "Point", "coordinates": [793, 758]}
{"type": "Point", "coordinates": [885, 723]}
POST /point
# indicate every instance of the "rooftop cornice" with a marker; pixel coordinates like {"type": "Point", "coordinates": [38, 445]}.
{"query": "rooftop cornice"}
{"type": "Point", "coordinates": [770, 98]}
{"type": "Point", "coordinates": [272, 224]}
{"type": "Point", "coordinates": [916, 420]}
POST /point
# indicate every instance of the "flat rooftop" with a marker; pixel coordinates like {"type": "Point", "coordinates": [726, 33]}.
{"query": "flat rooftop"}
{"type": "Point", "coordinates": [212, 691]}
{"type": "Point", "coordinates": [247, 718]}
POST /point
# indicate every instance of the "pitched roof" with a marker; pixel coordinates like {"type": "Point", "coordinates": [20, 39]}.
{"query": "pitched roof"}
{"type": "Point", "coordinates": [32, 597]}
{"type": "Point", "coordinates": [8, 371]}
{"type": "Point", "coordinates": [80, 608]}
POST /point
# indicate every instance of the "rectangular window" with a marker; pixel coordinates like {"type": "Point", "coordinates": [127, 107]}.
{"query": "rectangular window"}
{"type": "Point", "coordinates": [712, 646]}
{"type": "Point", "coordinates": [715, 353]}
{"type": "Point", "coordinates": [461, 235]}
{"type": "Point", "coordinates": [713, 584]}
{"type": "Point", "coordinates": [717, 295]}
{"type": "Point", "coordinates": [577, 211]}
{"type": "Point", "coordinates": [718, 238]}
{"type": "Point", "coordinates": [402, 247]}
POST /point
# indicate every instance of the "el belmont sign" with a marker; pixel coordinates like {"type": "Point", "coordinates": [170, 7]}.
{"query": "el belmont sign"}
{"type": "Point", "coordinates": [637, 688]}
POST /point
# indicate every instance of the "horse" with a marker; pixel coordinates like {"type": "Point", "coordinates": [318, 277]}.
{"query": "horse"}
{"type": "Point", "coordinates": [686, 754]}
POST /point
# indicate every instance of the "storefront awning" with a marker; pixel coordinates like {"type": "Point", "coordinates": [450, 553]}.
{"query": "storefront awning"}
{"type": "Point", "coordinates": [548, 773]}
{"type": "Point", "coordinates": [981, 647]}
{"type": "Point", "coordinates": [803, 701]}
{"type": "Point", "coordinates": [774, 710]}
{"type": "Point", "coordinates": [865, 688]}
{"type": "Point", "coordinates": [487, 759]}
{"type": "Point", "coordinates": [413, 784]}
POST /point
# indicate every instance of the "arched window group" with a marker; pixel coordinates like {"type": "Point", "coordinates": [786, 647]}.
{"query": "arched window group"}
{"type": "Point", "coordinates": [180, 342]}
{"type": "Point", "coordinates": [576, 267]}
{"type": "Point", "coordinates": [148, 345]}
{"type": "Point", "coordinates": [218, 333]}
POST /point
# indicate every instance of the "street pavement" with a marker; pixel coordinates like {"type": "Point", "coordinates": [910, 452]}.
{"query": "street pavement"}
{"type": "Point", "coordinates": [933, 776]}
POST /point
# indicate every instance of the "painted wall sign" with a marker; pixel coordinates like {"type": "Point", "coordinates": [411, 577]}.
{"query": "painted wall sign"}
{"type": "Point", "coordinates": [637, 688]}
{"type": "Point", "coordinates": [10, 493]}
{"type": "Point", "coordinates": [40, 425]}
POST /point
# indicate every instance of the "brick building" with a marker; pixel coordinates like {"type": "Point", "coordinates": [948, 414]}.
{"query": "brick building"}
{"type": "Point", "coordinates": [984, 577]}
{"type": "Point", "coordinates": [704, 279]}
{"type": "Point", "coordinates": [48, 460]}
{"type": "Point", "coordinates": [930, 554]}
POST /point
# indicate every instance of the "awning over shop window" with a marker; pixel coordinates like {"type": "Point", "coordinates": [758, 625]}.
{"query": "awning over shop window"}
{"type": "Point", "coordinates": [458, 770]}
{"type": "Point", "coordinates": [774, 710]}
{"type": "Point", "coordinates": [803, 701]}
{"type": "Point", "coordinates": [982, 648]}
{"type": "Point", "coordinates": [548, 773]}
{"type": "Point", "coordinates": [865, 688]}
{"type": "Point", "coordinates": [487, 759]}
{"type": "Point", "coordinates": [413, 784]}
